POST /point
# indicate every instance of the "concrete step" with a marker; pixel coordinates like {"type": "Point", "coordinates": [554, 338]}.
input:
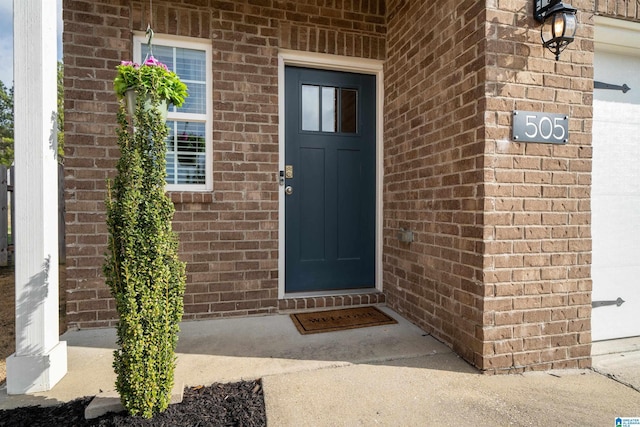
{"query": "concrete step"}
{"type": "Point", "coordinates": [109, 401]}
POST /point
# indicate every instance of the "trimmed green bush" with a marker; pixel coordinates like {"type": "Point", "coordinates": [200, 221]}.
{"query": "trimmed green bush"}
{"type": "Point", "coordinates": [142, 267]}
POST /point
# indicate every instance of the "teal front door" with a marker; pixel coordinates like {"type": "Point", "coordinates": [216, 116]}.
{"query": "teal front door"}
{"type": "Point", "coordinates": [330, 180]}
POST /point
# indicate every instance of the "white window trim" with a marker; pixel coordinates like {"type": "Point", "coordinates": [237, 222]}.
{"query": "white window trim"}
{"type": "Point", "coordinates": [139, 39]}
{"type": "Point", "coordinates": [335, 63]}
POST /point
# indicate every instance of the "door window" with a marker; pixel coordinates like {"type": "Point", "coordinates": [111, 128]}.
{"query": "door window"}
{"type": "Point", "coordinates": [329, 109]}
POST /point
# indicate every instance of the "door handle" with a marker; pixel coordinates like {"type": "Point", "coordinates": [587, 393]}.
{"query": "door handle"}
{"type": "Point", "coordinates": [288, 190]}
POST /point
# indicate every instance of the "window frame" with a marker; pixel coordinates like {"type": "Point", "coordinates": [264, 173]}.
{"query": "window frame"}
{"type": "Point", "coordinates": [140, 39]}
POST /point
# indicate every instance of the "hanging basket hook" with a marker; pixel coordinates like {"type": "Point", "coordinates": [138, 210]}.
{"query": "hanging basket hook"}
{"type": "Point", "coordinates": [149, 34]}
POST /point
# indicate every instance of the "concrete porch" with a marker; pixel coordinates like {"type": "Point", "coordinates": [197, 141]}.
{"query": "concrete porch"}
{"type": "Point", "coordinates": [385, 375]}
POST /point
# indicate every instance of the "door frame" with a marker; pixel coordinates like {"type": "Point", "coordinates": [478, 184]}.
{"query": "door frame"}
{"type": "Point", "coordinates": [333, 63]}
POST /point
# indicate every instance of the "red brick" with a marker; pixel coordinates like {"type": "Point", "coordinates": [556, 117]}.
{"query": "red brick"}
{"type": "Point", "coordinates": [502, 229]}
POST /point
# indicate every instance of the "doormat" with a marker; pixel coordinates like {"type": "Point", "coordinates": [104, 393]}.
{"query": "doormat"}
{"type": "Point", "coordinates": [338, 320]}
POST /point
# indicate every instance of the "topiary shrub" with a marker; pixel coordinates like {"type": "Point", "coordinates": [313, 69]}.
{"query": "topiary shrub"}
{"type": "Point", "coordinates": [142, 268]}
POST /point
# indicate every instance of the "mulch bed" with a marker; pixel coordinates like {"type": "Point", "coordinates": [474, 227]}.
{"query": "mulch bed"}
{"type": "Point", "coordinates": [238, 404]}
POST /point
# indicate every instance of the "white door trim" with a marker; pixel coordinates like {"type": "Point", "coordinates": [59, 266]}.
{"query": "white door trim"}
{"type": "Point", "coordinates": [334, 63]}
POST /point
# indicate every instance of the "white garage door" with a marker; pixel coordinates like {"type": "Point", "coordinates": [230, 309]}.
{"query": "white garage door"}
{"type": "Point", "coordinates": [615, 200]}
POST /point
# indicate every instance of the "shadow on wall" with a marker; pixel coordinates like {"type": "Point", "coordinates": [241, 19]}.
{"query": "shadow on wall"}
{"type": "Point", "coordinates": [509, 45]}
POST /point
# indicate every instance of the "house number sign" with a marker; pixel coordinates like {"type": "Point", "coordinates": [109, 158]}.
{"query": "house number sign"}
{"type": "Point", "coordinates": [532, 126]}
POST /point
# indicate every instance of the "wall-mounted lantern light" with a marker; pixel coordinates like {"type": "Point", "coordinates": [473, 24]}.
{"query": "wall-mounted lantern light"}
{"type": "Point", "coordinates": [559, 24]}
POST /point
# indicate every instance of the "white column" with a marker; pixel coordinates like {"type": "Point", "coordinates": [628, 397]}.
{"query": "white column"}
{"type": "Point", "coordinates": [40, 360]}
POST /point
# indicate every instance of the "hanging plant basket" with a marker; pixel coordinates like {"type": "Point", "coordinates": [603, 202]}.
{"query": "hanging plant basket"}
{"type": "Point", "coordinates": [130, 97]}
{"type": "Point", "coordinates": [152, 77]}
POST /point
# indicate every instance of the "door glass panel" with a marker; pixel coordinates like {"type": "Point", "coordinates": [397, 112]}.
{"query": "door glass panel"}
{"type": "Point", "coordinates": [329, 109]}
{"type": "Point", "coordinates": [310, 108]}
{"type": "Point", "coordinates": [348, 116]}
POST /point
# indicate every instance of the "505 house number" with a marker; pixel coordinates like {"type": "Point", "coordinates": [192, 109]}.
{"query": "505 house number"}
{"type": "Point", "coordinates": [549, 128]}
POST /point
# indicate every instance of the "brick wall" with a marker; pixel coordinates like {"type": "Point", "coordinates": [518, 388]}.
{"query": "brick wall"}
{"type": "Point", "coordinates": [433, 167]}
{"type": "Point", "coordinates": [228, 236]}
{"type": "Point", "coordinates": [622, 9]}
{"type": "Point", "coordinates": [500, 263]}
{"type": "Point", "coordinates": [537, 238]}
{"type": "Point", "coordinates": [96, 38]}
{"type": "Point", "coordinates": [499, 268]}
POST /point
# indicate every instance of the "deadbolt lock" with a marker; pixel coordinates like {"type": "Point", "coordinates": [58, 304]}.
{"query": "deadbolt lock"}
{"type": "Point", "coordinates": [288, 171]}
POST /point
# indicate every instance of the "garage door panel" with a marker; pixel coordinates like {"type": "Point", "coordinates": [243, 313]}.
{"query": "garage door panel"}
{"type": "Point", "coordinates": [616, 234]}
{"type": "Point", "coordinates": [611, 321]}
{"type": "Point", "coordinates": [615, 202]}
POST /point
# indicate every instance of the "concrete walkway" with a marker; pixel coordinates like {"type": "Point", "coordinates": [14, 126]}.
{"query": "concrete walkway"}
{"type": "Point", "coordinates": [387, 375]}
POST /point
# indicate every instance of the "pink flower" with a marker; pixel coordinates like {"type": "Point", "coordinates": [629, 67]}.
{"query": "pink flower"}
{"type": "Point", "coordinates": [129, 64]}
{"type": "Point", "coordinates": [151, 61]}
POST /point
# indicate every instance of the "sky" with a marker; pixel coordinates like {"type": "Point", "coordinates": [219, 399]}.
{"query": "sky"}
{"type": "Point", "coordinates": [6, 39]}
